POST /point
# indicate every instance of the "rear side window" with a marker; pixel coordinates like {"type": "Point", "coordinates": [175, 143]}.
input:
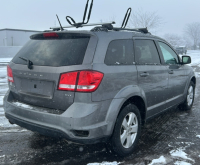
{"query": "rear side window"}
{"type": "Point", "coordinates": [146, 52]}
{"type": "Point", "coordinates": [54, 52]}
{"type": "Point", "coordinates": [120, 52]}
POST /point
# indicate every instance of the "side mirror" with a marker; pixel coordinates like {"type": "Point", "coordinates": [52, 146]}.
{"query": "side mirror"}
{"type": "Point", "coordinates": [186, 59]}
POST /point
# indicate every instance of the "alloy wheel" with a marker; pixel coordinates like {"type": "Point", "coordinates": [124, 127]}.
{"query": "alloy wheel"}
{"type": "Point", "coordinates": [129, 129]}
{"type": "Point", "coordinates": [190, 96]}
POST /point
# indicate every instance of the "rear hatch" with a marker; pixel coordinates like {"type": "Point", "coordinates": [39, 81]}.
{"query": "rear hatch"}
{"type": "Point", "coordinates": [51, 55]}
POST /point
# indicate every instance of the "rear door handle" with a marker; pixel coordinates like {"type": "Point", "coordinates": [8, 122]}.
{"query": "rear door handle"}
{"type": "Point", "coordinates": [145, 74]}
{"type": "Point", "coordinates": [171, 72]}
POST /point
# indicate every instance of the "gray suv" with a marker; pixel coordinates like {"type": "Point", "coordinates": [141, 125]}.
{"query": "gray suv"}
{"type": "Point", "coordinates": [96, 86]}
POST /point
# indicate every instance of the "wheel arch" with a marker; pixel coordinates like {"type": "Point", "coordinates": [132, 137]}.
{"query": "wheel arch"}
{"type": "Point", "coordinates": [193, 79]}
{"type": "Point", "coordinates": [139, 103]}
{"type": "Point", "coordinates": [113, 113]}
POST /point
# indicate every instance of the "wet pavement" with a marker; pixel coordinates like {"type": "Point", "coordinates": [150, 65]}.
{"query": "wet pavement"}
{"type": "Point", "coordinates": [173, 135]}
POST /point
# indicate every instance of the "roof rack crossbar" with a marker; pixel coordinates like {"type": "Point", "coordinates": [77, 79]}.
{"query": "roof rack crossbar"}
{"type": "Point", "coordinates": [126, 18]}
{"type": "Point", "coordinates": [92, 24]}
{"type": "Point", "coordinates": [141, 30]}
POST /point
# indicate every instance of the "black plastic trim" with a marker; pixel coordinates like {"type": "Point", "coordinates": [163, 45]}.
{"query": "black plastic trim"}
{"type": "Point", "coordinates": [47, 131]}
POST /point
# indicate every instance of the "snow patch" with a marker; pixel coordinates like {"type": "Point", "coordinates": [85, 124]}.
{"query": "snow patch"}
{"type": "Point", "coordinates": [194, 54]}
{"type": "Point", "coordinates": [22, 105]}
{"type": "Point", "coordinates": [198, 136]}
{"type": "Point", "coordinates": [4, 123]}
{"type": "Point", "coordinates": [104, 163]}
{"type": "Point", "coordinates": [13, 130]}
{"type": "Point", "coordinates": [5, 60]}
{"type": "Point", "coordinates": [1, 100]}
{"type": "Point", "coordinates": [181, 163]}
{"type": "Point", "coordinates": [3, 156]}
{"type": "Point", "coordinates": [180, 153]}
{"type": "Point", "coordinates": [4, 90]}
{"type": "Point", "coordinates": [1, 110]}
{"type": "Point", "coordinates": [160, 160]}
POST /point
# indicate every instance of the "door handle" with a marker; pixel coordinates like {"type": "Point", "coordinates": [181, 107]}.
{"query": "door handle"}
{"type": "Point", "coordinates": [171, 72]}
{"type": "Point", "coordinates": [145, 74]}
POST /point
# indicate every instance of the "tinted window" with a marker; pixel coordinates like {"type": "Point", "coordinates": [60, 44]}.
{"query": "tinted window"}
{"type": "Point", "coordinates": [169, 55]}
{"type": "Point", "coordinates": [120, 52]}
{"type": "Point", "coordinates": [146, 52]}
{"type": "Point", "coordinates": [54, 52]}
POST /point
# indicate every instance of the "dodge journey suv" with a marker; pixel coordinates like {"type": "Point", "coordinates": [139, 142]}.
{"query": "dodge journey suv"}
{"type": "Point", "coordinates": [96, 86]}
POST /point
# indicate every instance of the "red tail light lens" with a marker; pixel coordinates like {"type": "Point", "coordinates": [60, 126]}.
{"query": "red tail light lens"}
{"type": "Point", "coordinates": [9, 74]}
{"type": "Point", "coordinates": [50, 35]}
{"type": "Point", "coordinates": [68, 81]}
{"type": "Point", "coordinates": [88, 81]}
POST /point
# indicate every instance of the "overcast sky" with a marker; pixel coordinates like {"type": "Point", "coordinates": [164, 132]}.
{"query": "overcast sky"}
{"type": "Point", "coordinates": [40, 14]}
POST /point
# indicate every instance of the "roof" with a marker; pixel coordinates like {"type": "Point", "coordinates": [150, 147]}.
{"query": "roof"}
{"type": "Point", "coordinates": [19, 30]}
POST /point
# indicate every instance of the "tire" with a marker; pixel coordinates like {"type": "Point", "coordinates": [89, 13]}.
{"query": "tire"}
{"type": "Point", "coordinates": [125, 139]}
{"type": "Point", "coordinates": [188, 103]}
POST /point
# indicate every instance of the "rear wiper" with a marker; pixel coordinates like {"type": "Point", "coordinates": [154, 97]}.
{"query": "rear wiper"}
{"type": "Point", "coordinates": [29, 62]}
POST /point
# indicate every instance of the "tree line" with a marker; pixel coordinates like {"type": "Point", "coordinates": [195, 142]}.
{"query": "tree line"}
{"type": "Point", "coordinates": [151, 20]}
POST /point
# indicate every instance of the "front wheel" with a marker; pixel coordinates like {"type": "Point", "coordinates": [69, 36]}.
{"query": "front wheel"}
{"type": "Point", "coordinates": [127, 131]}
{"type": "Point", "coordinates": [187, 104]}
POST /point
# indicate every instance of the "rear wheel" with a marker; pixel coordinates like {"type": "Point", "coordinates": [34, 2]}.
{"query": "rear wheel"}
{"type": "Point", "coordinates": [127, 130]}
{"type": "Point", "coordinates": [187, 104]}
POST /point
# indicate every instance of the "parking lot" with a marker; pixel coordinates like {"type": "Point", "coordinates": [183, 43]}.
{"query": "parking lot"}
{"type": "Point", "coordinates": [171, 138]}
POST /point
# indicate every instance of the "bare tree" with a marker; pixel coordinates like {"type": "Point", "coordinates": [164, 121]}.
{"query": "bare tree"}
{"type": "Point", "coordinates": [141, 19]}
{"type": "Point", "coordinates": [174, 40]}
{"type": "Point", "coordinates": [193, 32]}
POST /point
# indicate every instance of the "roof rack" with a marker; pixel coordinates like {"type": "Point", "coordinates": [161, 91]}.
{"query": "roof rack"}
{"type": "Point", "coordinates": [77, 25]}
{"type": "Point", "coordinates": [84, 25]}
{"type": "Point", "coordinates": [126, 18]}
{"type": "Point", "coordinates": [104, 26]}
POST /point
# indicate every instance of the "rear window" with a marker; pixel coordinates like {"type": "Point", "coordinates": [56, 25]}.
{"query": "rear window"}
{"type": "Point", "coordinates": [54, 52]}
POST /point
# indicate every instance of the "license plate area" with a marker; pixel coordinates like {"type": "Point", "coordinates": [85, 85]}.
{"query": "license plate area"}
{"type": "Point", "coordinates": [39, 88]}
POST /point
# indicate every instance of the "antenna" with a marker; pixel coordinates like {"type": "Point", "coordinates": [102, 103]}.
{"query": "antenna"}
{"type": "Point", "coordinates": [126, 18]}
{"type": "Point", "coordinates": [61, 28]}
{"type": "Point", "coordinates": [72, 22]}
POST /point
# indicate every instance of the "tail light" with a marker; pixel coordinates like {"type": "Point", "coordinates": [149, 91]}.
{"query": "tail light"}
{"type": "Point", "coordinates": [9, 74]}
{"type": "Point", "coordinates": [80, 81]}
{"type": "Point", "coordinates": [68, 81]}
{"type": "Point", "coordinates": [51, 35]}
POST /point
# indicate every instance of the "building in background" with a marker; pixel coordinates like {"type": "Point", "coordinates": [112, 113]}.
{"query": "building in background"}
{"type": "Point", "coordinates": [11, 40]}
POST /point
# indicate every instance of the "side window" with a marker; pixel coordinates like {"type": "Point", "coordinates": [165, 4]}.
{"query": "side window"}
{"type": "Point", "coordinates": [146, 52]}
{"type": "Point", "coordinates": [120, 52]}
{"type": "Point", "coordinates": [169, 55]}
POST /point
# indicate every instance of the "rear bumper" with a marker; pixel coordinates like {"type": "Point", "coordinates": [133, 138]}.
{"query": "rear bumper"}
{"type": "Point", "coordinates": [52, 132]}
{"type": "Point", "coordinates": [62, 125]}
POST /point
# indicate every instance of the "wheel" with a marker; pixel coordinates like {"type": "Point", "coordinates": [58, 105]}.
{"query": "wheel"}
{"type": "Point", "coordinates": [127, 131]}
{"type": "Point", "coordinates": [187, 104]}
